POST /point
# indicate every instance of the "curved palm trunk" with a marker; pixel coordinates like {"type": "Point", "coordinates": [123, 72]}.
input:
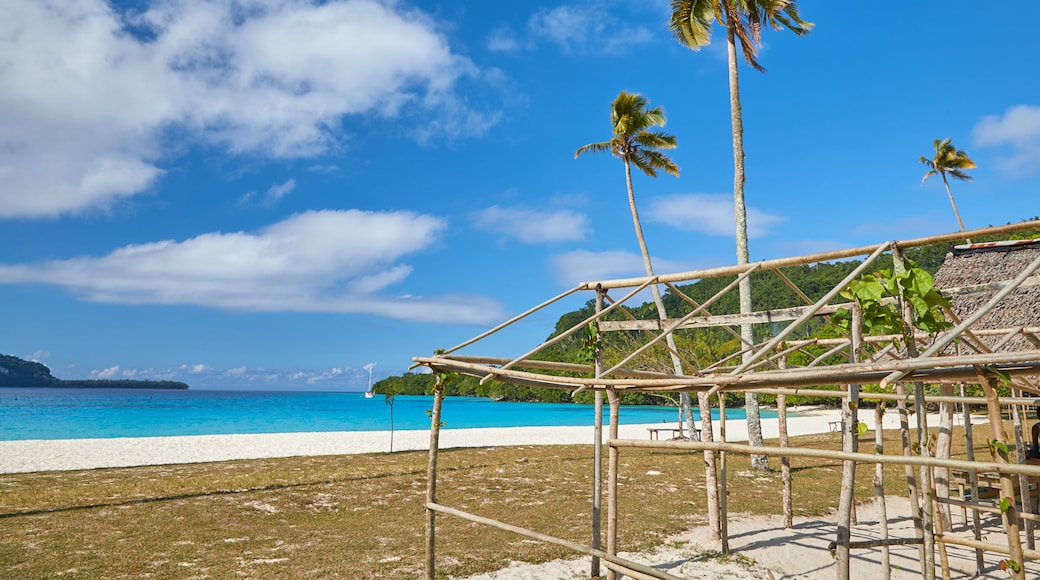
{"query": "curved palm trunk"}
{"type": "Point", "coordinates": [684, 402]}
{"type": "Point", "coordinates": [754, 416]}
{"type": "Point", "coordinates": [953, 203]}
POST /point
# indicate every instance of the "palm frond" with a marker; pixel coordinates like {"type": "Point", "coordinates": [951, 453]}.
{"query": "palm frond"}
{"type": "Point", "coordinates": [601, 147]}
{"type": "Point", "coordinates": [692, 20]}
{"type": "Point", "coordinates": [649, 161]}
{"type": "Point", "coordinates": [655, 140]}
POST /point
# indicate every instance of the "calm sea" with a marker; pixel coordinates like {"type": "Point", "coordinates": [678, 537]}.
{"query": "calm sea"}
{"type": "Point", "coordinates": [83, 413]}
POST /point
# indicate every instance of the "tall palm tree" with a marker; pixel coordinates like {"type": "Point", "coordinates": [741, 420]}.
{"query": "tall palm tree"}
{"type": "Point", "coordinates": [691, 23]}
{"type": "Point", "coordinates": [636, 143]}
{"type": "Point", "coordinates": [950, 161]}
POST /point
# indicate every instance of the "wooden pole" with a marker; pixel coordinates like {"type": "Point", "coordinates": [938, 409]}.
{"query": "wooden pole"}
{"type": "Point", "coordinates": [431, 479]}
{"type": "Point", "coordinates": [612, 481]}
{"type": "Point", "coordinates": [711, 479]}
{"type": "Point", "coordinates": [811, 258]}
{"type": "Point", "coordinates": [633, 569]}
{"type": "Point", "coordinates": [785, 461]}
{"type": "Point", "coordinates": [1007, 488]}
{"type": "Point", "coordinates": [723, 481]}
{"type": "Point", "coordinates": [973, 480]}
{"type": "Point", "coordinates": [911, 479]}
{"type": "Point", "coordinates": [1023, 481]}
{"type": "Point", "coordinates": [879, 488]}
{"type": "Point", "coordinates": [850, 439]}
{"type": "Point", "coordinates": [597, 456]}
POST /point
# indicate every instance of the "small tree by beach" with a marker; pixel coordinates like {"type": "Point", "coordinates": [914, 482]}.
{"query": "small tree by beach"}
{"type": "Point", "coordinates": [948, 160]}
{"type": "Point", "coordinates": [388, 396]}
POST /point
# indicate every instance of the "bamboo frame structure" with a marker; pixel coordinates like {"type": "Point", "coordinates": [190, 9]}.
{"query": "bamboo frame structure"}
{"type": "Point", "coordinates": [982, 357]}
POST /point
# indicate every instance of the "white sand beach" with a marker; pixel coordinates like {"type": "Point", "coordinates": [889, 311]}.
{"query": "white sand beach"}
{"type": "Point", "coordinates": [769, 550]}
{"type": "Point", "coordinates": [71, 454]}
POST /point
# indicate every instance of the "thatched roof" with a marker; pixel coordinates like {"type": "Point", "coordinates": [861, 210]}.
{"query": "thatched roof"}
{"type": "Point", "coordinates": [998, 262]}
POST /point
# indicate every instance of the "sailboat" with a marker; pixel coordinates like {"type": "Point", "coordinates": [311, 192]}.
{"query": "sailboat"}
{"type": "Point", "coordinates": [369, 394]}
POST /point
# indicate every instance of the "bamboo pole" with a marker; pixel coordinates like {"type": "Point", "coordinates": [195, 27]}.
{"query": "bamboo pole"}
{"type": "Point", "coordinates": [1008, 469]}
{"type": "Point", "coordinates": [812, 258]}
{"type": "Point", "coordinates": [868, 396]}
{"type": "Point", "coordinates": [597, 456]}
{"type": "Point", "coordinates": [512, 320]}
{"type": "Point", "coordinates": [879, 489]}
{"type": "Point", "coordinates": [785, 461]}
{"type": "Point", "coordinates": [431, 479]}
{"type": "Point", "coordinates": [671, 328]}
{"type": "Point", "coordinates": [911, 478]}
{"type": "Point", "coordinates": [626, 566]}
{"type": "Point", "coordinates": [723, 479]}
{"type": "Point", "coordinates": [978, 545]}
{"type": "Point", "coordinates": [612, 482]}
{"type": "Point", "coordinates": [711, 479]}
{"type": "Point", "coordinates": [849, 439]}
{"type": "Point", "coordinates": [973, 481]}
{"type": "Point", "coordinates": [810, 311]}
{"type": "Point", "coordinates": [1023, 481]}
{"type": "Point", "coordinates": [947, 368]}
{"type": "Point", "coordinates": [1007, 492]}
{"type": "Point", "coordinates": [581, 325]}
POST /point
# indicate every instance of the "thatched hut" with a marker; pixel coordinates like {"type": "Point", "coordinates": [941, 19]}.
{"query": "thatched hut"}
{"type": "Point", "coordinates": [994, 263]}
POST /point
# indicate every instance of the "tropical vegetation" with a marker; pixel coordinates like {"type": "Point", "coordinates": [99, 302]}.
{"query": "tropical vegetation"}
{"type": "Point", "coordinates": [948, 160]}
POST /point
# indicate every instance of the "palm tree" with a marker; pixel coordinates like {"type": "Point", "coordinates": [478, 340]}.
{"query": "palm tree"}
{"type": "Point", "coordinates": [691, 23]}
{"type": "Point", "coordinates": [948, 160]}
{"type": "Point", "coordinates": [637, 144]}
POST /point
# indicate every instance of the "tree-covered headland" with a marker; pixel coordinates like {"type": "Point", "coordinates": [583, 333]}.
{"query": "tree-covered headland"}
{"type": "Point", "coordinates": [16, 372]}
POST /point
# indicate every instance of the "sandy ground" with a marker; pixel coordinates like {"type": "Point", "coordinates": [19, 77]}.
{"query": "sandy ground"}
{"type": "Point", "coordinates": [68, 454]}
{"type": "Point", "coordinates": [763, 547]}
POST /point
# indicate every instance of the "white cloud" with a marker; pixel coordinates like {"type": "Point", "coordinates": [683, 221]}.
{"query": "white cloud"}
{"type": "Point", "coordinates": [586, 28]}
{"type": "Point", "coordinates": [710, 214]}
{"type": "Point", "coordinates": [502, 40]}
{"type": "Point", "coordinates": [532, 226]}
{"type": "Point", "coordinates": [1019, 130]}
{"type": "Point", "coordinates": [276, 192]}
{"type": "Point", "coordinates": [108, 373]}
{"type": "Point", "coordinates": [89, 93]}
{"type": "Point", "coordinates": [572, 268]}
{"type": "Point", "coordinates": [317, 261]}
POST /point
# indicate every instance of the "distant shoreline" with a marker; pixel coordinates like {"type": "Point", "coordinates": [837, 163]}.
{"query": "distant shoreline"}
{"type": "Point", "coordinates": [137, 385]}
{"type": "Point", "coordinates": [72, 454]}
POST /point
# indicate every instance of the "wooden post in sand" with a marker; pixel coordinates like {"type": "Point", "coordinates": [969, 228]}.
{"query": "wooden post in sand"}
{"type": "Point", "coordinates": [850, 444]}
{"type": "Point", "coordinates": [612, 480]}
{"type": "Point", "coordinates": [879, 487]}
{"type": "Point", "coordinates": [998, 447]}
{"type": "Point", "coordinates": [973, 480]}
{"type": "Point", "coordinates": [431, 478]}
{"type": "Point", "coordinates": [785, 461]}
{"type": "Point", "coordinates": [723, 487]}
{"type": "Point", "coordinates": [597, 455]}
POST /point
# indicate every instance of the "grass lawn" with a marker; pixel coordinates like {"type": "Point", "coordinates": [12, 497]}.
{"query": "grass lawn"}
{"type": "Point", "coordinates": [361, 516]}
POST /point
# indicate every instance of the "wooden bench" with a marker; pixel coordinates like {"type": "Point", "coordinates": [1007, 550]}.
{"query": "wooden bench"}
{"type": "Point", "coordinates": [834, 425]}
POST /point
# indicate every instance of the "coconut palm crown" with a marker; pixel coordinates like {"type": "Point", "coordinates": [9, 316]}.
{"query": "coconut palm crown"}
{"type": "Point", "coordinates": [692, 21]}
{"type": "Point", "coordinates": [948, 160]}
{"type": "Point", "coordinates": [633, 139]}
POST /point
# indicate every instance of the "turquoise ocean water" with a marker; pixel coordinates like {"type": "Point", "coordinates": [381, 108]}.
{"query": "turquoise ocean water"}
{"type": "Point", "coordinates": [84, 413]}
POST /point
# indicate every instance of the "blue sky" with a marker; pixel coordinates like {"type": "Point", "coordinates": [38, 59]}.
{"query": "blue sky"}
{"type": "Point", "coordinates": [277, 193]}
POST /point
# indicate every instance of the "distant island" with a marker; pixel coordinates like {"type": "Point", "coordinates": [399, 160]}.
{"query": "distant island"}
{"type": "Point", "coordinates": [16, 372]}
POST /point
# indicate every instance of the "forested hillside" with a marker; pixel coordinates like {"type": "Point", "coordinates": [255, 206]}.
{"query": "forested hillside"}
{"type": "Point", "coordinates": [705, 346]}
{"type": "Point", "coordinates": [16, 372]}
